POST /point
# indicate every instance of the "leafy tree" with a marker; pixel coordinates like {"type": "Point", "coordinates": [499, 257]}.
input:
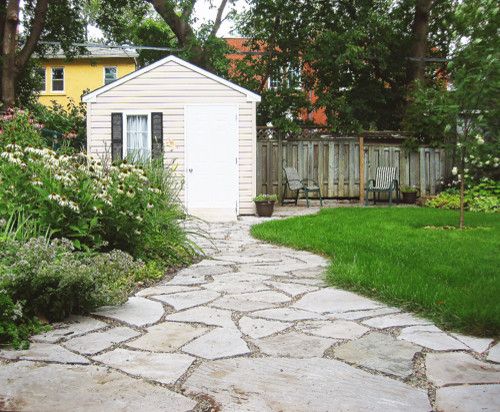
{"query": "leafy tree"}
{"type": "Point", "coordinates": [465, 111]}
{"type": "Point", "coordinates": [20, 34]}
{"type": "Point", "coordinates": [167, 23]}
{"type": "Point", "coordinates": [353, 55]}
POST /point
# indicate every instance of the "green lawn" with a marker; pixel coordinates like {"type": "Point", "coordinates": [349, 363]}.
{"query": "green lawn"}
{"type": "Point", "coordinates": [450, 276]}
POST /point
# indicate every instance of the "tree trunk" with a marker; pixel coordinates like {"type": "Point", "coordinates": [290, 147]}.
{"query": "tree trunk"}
{"type": "Point", "coordinates": [9, 69]}
{"type": "Point", "coordinates": [420, 29]}
{"type": "Point", "coordinates": [462, 188]}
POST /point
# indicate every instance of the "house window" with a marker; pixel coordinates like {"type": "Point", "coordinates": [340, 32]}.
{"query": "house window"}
{"type": "Point", "coordinates": [138, 138]}
{"type": "Point", "coordinates": [109, 74]}
{"type": "Point", "coordinates": [57, 79]}
{"type": "Point", "coordinates": [286, 77]}
{"type": "Point", "coordinates": [41, 76]}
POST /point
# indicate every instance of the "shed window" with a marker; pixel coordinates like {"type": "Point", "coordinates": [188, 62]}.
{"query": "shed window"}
{"type": "Point", "coordinates": [138, 143]}
{"type": "Point", "coordinates": [57, 79]}
{"type": "Point", "coordinates": [109, 74]}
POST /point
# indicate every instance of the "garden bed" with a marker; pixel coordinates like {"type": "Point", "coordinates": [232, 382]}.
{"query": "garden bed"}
{"type": "Point", "coordinates": [450, 276]}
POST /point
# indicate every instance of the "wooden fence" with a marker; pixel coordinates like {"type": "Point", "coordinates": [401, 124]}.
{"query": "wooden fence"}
{"type": "Point", "coordinates": [336, 162]}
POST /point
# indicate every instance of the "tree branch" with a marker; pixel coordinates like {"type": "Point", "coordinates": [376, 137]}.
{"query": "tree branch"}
{"type": "Point", "coordinates": [218, 19]}
{"type": "Point", "coordinates": [40, 14]}
{"type": "Point", "coordinates": [179, 24]}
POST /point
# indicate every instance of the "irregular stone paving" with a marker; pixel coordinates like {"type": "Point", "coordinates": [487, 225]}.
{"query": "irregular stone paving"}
{"type": "Point", "coordinates": [251, 328]}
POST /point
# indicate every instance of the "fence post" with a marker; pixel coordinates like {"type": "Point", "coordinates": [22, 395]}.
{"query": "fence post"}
{"type": "Point", "coordinates": [280, 166]}
{"type": "Point", "coordinates": [361, 170]}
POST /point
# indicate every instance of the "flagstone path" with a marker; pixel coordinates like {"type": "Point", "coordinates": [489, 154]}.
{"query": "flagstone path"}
{"type": "Point", "coordinates": [254, 328]}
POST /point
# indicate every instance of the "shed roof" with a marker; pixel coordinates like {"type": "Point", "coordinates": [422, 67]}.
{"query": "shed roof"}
{"type": "Point", "coordinates": [90, 97]}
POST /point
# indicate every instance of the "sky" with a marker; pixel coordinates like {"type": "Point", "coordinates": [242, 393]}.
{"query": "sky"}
{"type": "Point", "coordinates": [202, 12]}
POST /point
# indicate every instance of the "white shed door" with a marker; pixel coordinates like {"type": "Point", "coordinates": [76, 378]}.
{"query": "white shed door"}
{"type": "Point", "coordinates": [211, 155]}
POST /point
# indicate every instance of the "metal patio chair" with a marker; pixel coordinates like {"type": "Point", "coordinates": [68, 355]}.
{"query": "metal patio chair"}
{"type": "Point", "coordinates": [385, 182]}
{"type": "Point", "coordinates": [297, 185]}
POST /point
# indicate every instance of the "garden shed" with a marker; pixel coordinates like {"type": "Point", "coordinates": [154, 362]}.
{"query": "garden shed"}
{"type": "Point", "coordinates": [202, 124]}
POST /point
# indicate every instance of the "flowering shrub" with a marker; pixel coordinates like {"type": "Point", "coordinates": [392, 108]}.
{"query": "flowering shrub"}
{"type": "Point", "coordinates": [53, 280]}
{"type": "Point", "coordinates": [126, 206]}
{"type": "Point", "coordinates": [63, 126]}
{"type": "Point", "coordinates": [19, 127]}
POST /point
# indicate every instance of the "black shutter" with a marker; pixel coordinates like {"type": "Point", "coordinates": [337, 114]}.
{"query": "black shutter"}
{"type": "Point", "coordinates": [157, 135]}
{"type": "Point", "coordinates": [116, 137]}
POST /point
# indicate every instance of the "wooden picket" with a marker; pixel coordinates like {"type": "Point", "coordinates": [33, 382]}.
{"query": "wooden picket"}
{"type": "Point", "coordinates": [335, 164]}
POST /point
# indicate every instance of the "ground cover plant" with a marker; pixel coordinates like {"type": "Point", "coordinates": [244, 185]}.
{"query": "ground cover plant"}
{"type": "Point", "coordinates": [77, 233]}
{"type": "Point", "coordinates": [414, 258]}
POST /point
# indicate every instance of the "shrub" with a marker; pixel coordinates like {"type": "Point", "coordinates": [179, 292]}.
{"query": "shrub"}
{"type": "Point", "coordinates": [15, 328]}
{"type": "Point", "coordinates": [63, 126]}
{"type": "Point", "coordinates": [484, 197]}
{"type": "Point", "coordinates": [54, 281]}
{"type": "Point", "coordinates": [129, 207]}
{"type": "Point", "coordinates": [17, 126]}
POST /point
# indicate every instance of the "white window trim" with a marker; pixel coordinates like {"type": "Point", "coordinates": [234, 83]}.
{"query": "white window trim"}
{"type": "Point", "coordinates": [125, 135]}
{"type": "Point", "coordinates": [104, 74]}
{"type": "Point", "coordinates": [284, 77]}
{"type": "Point", "coordinates": [63, 91]}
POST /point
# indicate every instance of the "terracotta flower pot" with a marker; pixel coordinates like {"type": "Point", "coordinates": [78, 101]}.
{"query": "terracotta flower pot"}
{"type": "Point", "coordinates": [265, 208]}
{"type": "Point", "coordinates": [409, 197]}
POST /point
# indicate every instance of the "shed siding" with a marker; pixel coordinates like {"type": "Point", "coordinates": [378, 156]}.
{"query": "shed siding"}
{"type": "Point", "coordinates": [167, 89]}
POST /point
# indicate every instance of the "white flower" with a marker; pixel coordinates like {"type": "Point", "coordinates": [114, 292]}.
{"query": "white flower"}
{"type": "Point", "coordinates": [454, 171]}
{"type": "Point", "coordinates": [149, 206]}
{"type": "Point", "coordinates": [479, 139]}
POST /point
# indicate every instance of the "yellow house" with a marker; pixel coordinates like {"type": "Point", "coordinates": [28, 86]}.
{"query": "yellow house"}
{"type": "Point", "coordinates": [68, 79]}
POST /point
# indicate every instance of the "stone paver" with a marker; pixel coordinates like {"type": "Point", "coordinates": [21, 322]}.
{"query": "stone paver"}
{"type": "Point", "coordinates": [238, 303]}
{"type": "Point", "coordinates": [160, 367]}
{"type": "Point", "coordinates": [252, 328]}
{"type": "Point", "coordinates": [58, 388]}
{"type": "Point", "coordinates": [260, 328]}
{"type": "Point", "coordinates": [136, 311]}
{"type": "Point", "coordinates": [431, 337]}
{"type": "Point", "coordinates": [330, 300]}
{"type": "Point", "coordinates": [186, 300]}
{"type": "Point", "coordinates": [219, 343]}
{"type": "Point", "coordinates": [337, 329]}
{"type": "Point", "coordinates": [266, 296]}
{"type": "Point", "coordinates": [494, 353]}
{"type": "Point", "coordinates": [74, 326]}
{"type": "Point", "coordinates": [235, 286]}
{"type": "Point", "coordinates": [294, 345]}
{"type": "Point", "coordinates": [293, 385]}
{"type": "Point", "coordinates": [292, 289]}
{"type": "Point", "coordinates": [483, 398]}
{"type": "Point", "coordinates": [380, 352]}
{"type": "Point", "coordinates": [164, 290]}
{"type": "Point", "coordinates": [98, 341]}
{"type": "Point", "coordinates": [167, 336]}
{"type": "Point", "coordinates": [208, 316]}
{"type": "Point", "coordinates": [287, 314]}
{"type": "Point", "coordinates": [459, 368]}
{"type": "Point", "coordinates": [44, 352]}
{"type": "Point", "coordinates": [478, 345]}
{"type": "Point", "coordinates": [362, 314]}
{"type": "Point", "coordinates": [397, 320]}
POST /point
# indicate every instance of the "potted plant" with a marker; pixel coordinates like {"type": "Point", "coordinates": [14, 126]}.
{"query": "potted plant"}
{"type": "Point", "coordinates": [265, 204]}
{"type": "Point", "coordinates": [409, 194]}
